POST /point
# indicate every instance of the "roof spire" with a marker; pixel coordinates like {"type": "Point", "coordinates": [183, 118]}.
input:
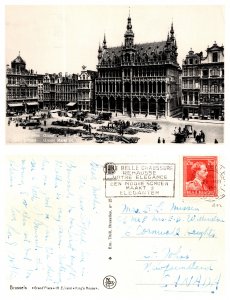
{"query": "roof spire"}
{"type": "Point", "coordinates": [129, 25]}
{"type": "Point", "coordinates": [104, 43]}
{"type": "Point", "coordinates": [172, 30]}
{"type": "Point", "coordinates": [172, 33]}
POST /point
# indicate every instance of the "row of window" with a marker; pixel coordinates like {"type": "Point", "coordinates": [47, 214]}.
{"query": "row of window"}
{"type": "Point", "coordinates": [192, 61]}
{"type": "Point", "coordinates": [205, 73]}
{"type": "Point", "coordinates": [214, 88]}
{"type": "Point", "coordinates": [66, 90]}
{"type": "Point", "coordinates": [136, 72]}
{"type": "Point", "coordinates": [191, 98]}
{"type": "Point", "coordinates": [66, 97]}
{"type": "Point", "coordinates": [143, 87]}
{"type": "Point", "coordinates": [19, 80]}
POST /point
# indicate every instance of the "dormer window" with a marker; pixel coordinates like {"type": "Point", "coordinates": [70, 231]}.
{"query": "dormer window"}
{"type": "Point", "coordinates": [215, 57]}
{"type": "Point", "coordinates": [190, 61]}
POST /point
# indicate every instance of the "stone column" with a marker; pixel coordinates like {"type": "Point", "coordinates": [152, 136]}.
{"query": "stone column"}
{"type": "Point", "coordinates": [123, 92]}
{"type": "Point", "coordinates": [156, 108]}
{"type": "Point", "coordinates": [131, 92]}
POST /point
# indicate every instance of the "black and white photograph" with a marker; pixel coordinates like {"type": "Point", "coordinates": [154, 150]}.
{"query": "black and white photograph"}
{"type": "Point", "coordinates": [89, 74]}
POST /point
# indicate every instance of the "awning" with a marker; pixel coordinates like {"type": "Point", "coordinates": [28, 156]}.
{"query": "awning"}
{"type": "Point", "coordinates": [15, 104]}
{"type": "Point", "coordinates": [32, 103]}
{"type": "Point", "coordinates": [71, 104]}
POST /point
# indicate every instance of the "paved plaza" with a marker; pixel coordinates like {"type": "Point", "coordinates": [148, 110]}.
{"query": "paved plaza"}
{"type": "Point", "coordinates": [212, 129]}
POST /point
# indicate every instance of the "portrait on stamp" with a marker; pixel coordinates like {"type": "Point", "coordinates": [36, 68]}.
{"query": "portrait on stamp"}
{"type": "Point", "coordinates": [200, 178]}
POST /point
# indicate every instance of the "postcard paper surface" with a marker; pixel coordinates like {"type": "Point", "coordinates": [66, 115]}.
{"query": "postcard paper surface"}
{"type": "Point", "coordinates": [123, 228]}
{"type": "Point", "coordinates": [115, 151]}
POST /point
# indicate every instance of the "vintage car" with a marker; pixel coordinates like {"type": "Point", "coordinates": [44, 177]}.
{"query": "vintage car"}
{"type": "Point", "coordinates": [188, 128]}
{"type": "Point", "coordinates": [26, 123]}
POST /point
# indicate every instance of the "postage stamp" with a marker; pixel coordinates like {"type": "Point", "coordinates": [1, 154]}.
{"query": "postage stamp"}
{"type": "Point", "coordinates": [200, 176]}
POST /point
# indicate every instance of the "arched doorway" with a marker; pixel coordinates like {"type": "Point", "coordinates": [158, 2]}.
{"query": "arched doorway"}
{"type": "Point", "coordinates": [112, 103]}
{"type": "Point", "coordinates": [161, 107]}
{"type": "Point", "coordinates": [135, 105]}
{"type": "Point", "coordinates": [152, 106]}
{"type": "Point", "coordinates": [99, 103]}
{"type": "Point", "coordinates": [127, 106]}
{"type": "Point", "coordinates": [105, 104]}
{"type": "Point", "coordinates": [119, 104]}
{"type": "Point", "coordinates": [144, 106]}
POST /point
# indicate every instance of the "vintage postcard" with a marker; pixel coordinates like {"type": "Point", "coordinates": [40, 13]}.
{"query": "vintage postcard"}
{"type": "Point", "coordinates": [140, 76]}
{"type": "Point", "coordinates": [98, 228]}
{"type": "Point", "coordinates": [85, 216]}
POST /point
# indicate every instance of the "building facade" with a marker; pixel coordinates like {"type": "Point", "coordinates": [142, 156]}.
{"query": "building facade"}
{"type": "Point", "coordinates": [40, 90]}
{"type": "Point", "coordinates": [21, 87]}
{"type": "Point", "coordinates": [60, 92]}
{"type": "Point", "coordinates": [203, 84]}
{"type": "Point", "coordinates": [86, 83]}
{"type": "Point", "coordinates": [66, 91]}
{"type": "Point", "coordinates": [138, 78]}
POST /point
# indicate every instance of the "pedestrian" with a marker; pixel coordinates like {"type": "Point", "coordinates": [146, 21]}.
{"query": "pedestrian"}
{"type": "Point", "coordinates": [198, 138]}
{"type": "Point", "coordinates": [163, 141]}
{"type": "Point", "coordinates": [216, 141]}
{"type": "Point", "coordinates": [203, 137]}
{"type": "Point", "coordinates": [179, 129]}
{"type": "Point", "coordinates": [159, 140]}
{"type": "Point", "coordinates": [194, 133]}
{"type": "Point", "coordinates": [175, 130]}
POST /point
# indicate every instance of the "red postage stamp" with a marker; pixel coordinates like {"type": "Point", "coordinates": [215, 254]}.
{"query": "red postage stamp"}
{"type": "Point", "coordinates": [200, 176]}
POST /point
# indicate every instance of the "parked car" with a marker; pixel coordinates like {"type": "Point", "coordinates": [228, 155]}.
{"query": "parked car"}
{"type": "Point", "coordinates": [105, 116]}
{"type": "Point", "coordinates": [30, 123]}
{"type": "Point", "coordinates": [189, 128]}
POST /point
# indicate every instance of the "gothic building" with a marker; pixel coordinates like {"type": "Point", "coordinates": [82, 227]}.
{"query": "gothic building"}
{"type": "Point", "coordinates": [138, 78]}
{"type": "Point", "coordinates": [203, 84]}
{"type": "Point", "coordinates": [21, 87]}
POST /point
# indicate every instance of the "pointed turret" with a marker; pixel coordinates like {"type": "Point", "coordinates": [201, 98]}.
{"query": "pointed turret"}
{"type": "Point", "coordinates": [99, 56]}
{"type": "Point", "coordinates": [172, 32]}
{"type": "Point", "coordinates": [129, 35]}
{"type": "Point", "coordinates": [104, 43]}
{"type": "Point", "coordinates": [168, 39]}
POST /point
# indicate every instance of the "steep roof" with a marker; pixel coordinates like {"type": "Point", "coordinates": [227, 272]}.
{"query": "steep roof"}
{"type": "Point", "coordinates": [19, 60]}
{"type": "Point", "coordinates": [141, 49]}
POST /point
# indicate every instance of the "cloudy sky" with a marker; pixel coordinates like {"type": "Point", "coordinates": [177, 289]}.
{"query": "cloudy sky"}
{"type": "Point", "coordinates": [58, 38]}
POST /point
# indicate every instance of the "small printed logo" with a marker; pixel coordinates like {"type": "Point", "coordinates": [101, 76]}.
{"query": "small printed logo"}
{"type": "Point", "coordinates": [109, 282]}
{"type": "Point", "coordinates": [110, 168]}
